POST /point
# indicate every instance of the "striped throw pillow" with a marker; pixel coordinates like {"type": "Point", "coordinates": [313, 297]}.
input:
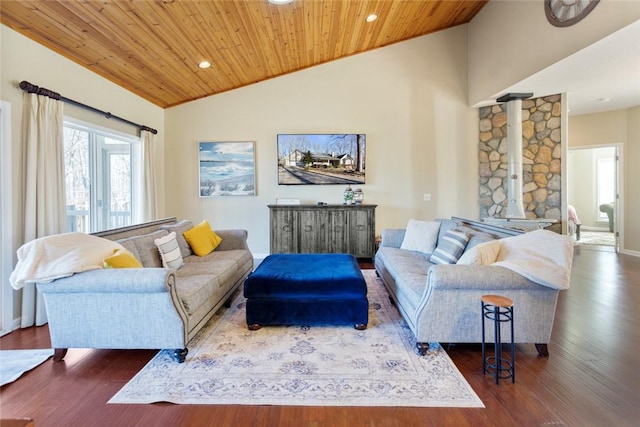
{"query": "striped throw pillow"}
{"type": "Point", "coordinates": [169, 251]}
{"type": "Point", "coordinates": [450, 247]}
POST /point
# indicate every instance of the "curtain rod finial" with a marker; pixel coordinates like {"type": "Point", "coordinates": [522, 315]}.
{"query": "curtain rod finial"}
{"type": "Point", "coordinates": [148, 129]}
{"type": "Point", "coordinates": [25, 85]}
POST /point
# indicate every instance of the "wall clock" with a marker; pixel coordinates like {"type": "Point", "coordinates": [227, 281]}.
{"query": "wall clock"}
{"type": "Point", "coordinates": [563, 13]}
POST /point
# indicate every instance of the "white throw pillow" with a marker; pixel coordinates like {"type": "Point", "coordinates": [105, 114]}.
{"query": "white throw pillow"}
{"type": "Point", "coordinates": [482, 254]}
{"type": "Point", "coordinates": [169, 251]}
{"type": "Point", "coordinates": [421, 236]}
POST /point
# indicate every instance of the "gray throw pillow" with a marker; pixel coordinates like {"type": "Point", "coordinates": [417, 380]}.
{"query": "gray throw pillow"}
{"type": "Point", "coordinates": [450, 247]}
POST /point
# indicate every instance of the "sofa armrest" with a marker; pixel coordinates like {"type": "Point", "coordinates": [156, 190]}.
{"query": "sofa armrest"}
{"type": "Point", "coordinates": [232, 239]}
{"type": "Point", "coordinates": [113, 280]}
{"type": "Point", "coordinates": [392, 237]}
{"type": "Point", "coordinates": [486, 277]}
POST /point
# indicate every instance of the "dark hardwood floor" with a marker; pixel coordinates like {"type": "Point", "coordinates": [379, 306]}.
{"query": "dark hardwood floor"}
{"type": "Point", "coordinates": [591, 378]}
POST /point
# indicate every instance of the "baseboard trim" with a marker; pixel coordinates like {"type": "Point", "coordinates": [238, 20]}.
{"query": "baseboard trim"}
{"type": "Point", "coordinates": [587, 228]}
{"type": "Point", "coordinates": [630, 252]}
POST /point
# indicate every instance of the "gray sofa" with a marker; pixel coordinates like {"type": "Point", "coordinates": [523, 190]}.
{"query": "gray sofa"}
{"type": "Point", "coordinates": [150, 307]}
{"type": "Point", "coordinates": [441, 303]}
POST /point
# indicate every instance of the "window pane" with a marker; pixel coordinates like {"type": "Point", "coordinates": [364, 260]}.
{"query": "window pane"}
{"type": "Point", "coordinates": [606, 184]}
{"type": "Point", "coordinates": [120, 186]}
{"type": "Point", "coordinates": [77, 178]}
{"type": "Point", "coordinates": [98, 171]}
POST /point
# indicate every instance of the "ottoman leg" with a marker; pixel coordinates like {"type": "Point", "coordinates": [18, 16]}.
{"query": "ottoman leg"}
{"type": "Point", "coordinates": [360, 326]}
{"type": "Point", "coordinates": [254, 327]}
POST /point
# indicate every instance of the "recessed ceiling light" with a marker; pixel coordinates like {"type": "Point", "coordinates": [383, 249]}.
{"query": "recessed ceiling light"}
{"type": "Point", "coordinates": [204, 64]}
{"type": "Point", "coordinates": [372, 17]}
{"type": "Point", "coordinates": [280, 1]}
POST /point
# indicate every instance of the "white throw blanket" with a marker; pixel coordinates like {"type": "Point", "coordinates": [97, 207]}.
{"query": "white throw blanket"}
{"type": "Point", "coordinates": [541, 256]}
{"type": "Point", "coordinates": [61, 255]}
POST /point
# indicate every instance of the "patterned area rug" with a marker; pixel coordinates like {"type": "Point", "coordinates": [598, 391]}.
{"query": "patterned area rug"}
{"type": "Point", "coordinates": [311, 366]}
{"type": "Point", "coordinates": [14, 363]}
{"type": "Point", "coordinates": [599, 238]}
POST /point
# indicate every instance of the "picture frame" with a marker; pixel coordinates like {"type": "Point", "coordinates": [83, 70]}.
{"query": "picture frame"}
{"type": "Point", "coordinates": [227, 168]}
{"type": "Point", "coordinates": [321, 159]}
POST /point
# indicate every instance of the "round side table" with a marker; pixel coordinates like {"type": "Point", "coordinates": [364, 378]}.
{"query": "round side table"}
{"type": "Point", "coordinates": [498, 309]}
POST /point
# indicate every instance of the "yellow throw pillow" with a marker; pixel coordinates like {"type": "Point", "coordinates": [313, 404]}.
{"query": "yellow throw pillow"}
{"type": "Point", "coordinates": [202, 239]}
{"type": "Point", "coordinates": [121, 259]}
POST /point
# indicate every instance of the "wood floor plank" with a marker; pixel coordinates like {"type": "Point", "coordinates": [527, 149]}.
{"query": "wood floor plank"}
{"type": "Point", "coordinates": [591, 378]}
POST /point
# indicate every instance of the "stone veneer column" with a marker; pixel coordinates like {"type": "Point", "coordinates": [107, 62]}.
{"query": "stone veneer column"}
{"type": "Point", "coordinates": [541, 159]}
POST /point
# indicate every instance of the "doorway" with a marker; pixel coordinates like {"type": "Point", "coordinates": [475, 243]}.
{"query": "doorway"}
{"type": "Point", "coordinates": [594, 193]}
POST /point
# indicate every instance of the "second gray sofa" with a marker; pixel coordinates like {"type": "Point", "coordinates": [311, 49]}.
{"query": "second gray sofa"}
{"type": "Point", "coordinates": [441, 303]}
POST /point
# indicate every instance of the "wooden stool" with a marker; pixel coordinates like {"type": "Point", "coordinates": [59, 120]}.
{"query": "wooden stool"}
{"type": "Point", "coordinates": [499, 309]}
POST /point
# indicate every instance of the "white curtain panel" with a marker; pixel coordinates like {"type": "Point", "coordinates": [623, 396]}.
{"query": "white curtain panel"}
{"type": "Point", "coordinates": [149, 208]}
{"type": "Point", "coordinates": [44, 209]}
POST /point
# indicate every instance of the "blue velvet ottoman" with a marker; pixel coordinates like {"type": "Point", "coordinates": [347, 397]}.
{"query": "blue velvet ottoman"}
{"type": "Point", "coordinates": [307, 289]}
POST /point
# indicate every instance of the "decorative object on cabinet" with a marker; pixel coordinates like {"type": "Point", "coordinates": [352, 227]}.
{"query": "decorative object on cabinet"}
{"type": "Point", "coordinates": [348, 196]}
{"type": "Point", "coordinates": [358, 196]}
{"type": "Point", "coordinates": [227, 169]}
{"type": "Point", "coordinates": [287, 201]}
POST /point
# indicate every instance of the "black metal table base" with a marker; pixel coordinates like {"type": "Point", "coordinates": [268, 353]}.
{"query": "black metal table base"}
{"type": "Point", "coordinates": [499, 366]}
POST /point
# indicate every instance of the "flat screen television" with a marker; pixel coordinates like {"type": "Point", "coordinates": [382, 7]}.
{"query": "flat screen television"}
{"type": "Point", "coordinates": [321, 159]}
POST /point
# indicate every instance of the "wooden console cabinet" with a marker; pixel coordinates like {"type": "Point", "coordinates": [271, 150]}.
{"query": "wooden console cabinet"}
{"type": "Point", "coordinates": [346, 229]}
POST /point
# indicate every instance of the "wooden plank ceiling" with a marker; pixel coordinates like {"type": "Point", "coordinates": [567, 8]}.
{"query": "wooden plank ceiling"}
{"type": "Point", "coordinates": [153, 48]}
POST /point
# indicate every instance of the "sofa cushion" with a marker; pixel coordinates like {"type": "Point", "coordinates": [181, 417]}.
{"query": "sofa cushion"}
{"type": "Point", "coordinates": [130, 245]}
{"type": "Point", "coordinates": [450, 247]}
{"type": "Point", "coordinates": [179, 228]}
{"type": "Point", "coordinates": [482, 254]}
{"type": "Point", "coordinates": [202, 239]}
{"type": "Point", "coordinates": [198, 284]}
{"type": "Point", "coordinates": [476, 237]}
{"type": "Point", "coordinates": [169, 251]}
{"type": "Point", "coordinates": [241, 257]}
{"type": "Point", "coordinates": [121, 259]}
{"type": "Point", "coordinates": [146, 247]}
{"type": "Point", "coordinates": [421, 236]}
{"type": "Point", "coordinates": [409, 271]}
{"type": "Point", "coordinates": [446, 225]}
{"type": "Point", "coordinates": [215, 239]}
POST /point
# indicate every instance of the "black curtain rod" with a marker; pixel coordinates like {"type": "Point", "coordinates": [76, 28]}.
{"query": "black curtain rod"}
{"type": "Point", "coordinates": [31, 88]}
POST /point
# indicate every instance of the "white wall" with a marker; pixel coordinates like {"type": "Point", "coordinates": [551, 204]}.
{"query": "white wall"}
{"type": "Point", "coordinates": [631, 179]}
{"type": "Point", "coordinates": [512, 40]}
{"type": "Point", "coordinates": [410, 101]}
{"type": "Point", "coordinates": [23, 59]}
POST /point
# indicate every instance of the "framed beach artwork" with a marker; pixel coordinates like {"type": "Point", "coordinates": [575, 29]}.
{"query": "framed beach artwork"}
{"type": "Point", "coordinates": [227, 169]}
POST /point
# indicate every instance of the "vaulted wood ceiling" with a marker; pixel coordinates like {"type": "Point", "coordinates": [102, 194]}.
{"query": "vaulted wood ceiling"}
{"type": "Point", "coordinates": [153, 48]}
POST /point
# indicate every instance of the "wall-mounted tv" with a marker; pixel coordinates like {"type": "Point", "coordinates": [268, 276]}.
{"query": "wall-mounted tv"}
{"type": "Point", "coordinates": [321, 159]}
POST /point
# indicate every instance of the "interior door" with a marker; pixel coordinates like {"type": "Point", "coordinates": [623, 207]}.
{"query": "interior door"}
{"type": "Point", "coordinates": [594, 179]}
{"type": "Point", "coordinates": [617, 205]}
